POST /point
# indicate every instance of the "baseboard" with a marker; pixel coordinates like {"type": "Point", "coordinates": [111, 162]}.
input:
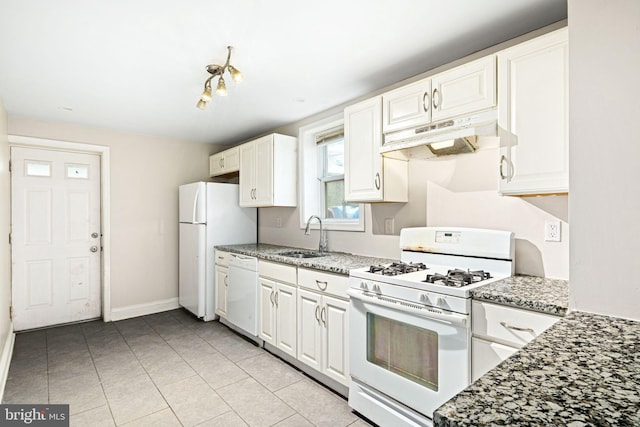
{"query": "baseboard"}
{"type": "Point", "coordinates": [5, 359]}
{"type": "Point", "coordinates": [137, 310]}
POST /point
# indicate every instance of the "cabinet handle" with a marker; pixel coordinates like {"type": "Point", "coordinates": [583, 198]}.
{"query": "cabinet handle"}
{"type": "Point", "coordinates": [436, 99]}
{"type": "Point", "coordinates": [322, 316]}
{"type": "Point", "coordinates": [275, 294]}
{"type": "Point", "coordinates": [317, 317]}
{"type": "Point", "coordinates": [220, 163]}
{"type": "Point", "coordinates": [502, 160]}
{"type": "Point", "coordinates": [271, 298]}
{"type": "Point", "coordinates": [318, 284]}
{"type": "Point", "coordinates": [516, 328]}
{"type": "Point", "coordinates": [226, 281]}
{"type": "Point", "coordinates": [376, 181]}
{"type": "Point", "coordinates": [425, 102]}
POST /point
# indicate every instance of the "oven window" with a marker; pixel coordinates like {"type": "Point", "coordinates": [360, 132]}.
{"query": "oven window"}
{"type": "Point", "coordinates": [404, 349]}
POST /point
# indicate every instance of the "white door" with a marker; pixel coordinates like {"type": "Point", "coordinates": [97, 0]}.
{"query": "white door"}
{"type": "Point", "coordinates": [192, 267]}
{"type": "Point", "coordinates": [266, 302]}
{"type": "Point", "coordinates": [286, 325]}
{"type": "Point", "coordinates": [55, 237]}
{"type": "Point", "coordinates": [335, 318]}
{"type": "Point", "coordinates": [309, 329]}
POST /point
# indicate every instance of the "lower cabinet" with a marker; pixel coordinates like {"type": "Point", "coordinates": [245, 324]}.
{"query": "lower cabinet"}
{"type": "Point", "coordinates": [323, 334]}
{"type": "Point", "coordinates": [277, 321]}
{"type": "Point", "coordinates": [221, 283]}
{"type": "Point", "coordinates": [499, 331]}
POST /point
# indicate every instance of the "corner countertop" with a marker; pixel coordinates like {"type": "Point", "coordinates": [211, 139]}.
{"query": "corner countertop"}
{"type": "Point", "coordinates": [549, 296]}
{"type": "Point", "coordinates": [333, 262]}
{"type": "Point", "coordinates": [584, 370]}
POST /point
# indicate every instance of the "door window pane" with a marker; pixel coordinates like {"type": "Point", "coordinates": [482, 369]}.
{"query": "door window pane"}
{"type": "Point", "coordinates": [404, 349]}
{"type": "Point", "coordinates": [37, 168]}
{"type": "Point", "coordinates": [77, 171]}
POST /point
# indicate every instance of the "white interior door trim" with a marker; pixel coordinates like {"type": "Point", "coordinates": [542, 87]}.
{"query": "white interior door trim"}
{"type": "Point", "coordinates": [105, 199]}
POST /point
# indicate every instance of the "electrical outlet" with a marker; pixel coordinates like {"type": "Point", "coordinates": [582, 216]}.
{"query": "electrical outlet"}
{"type": "Point", "coordinates": [388, 226]}
{"type": "Point", "coordinates": [278, 222]}
{"type": "Point", "coordinates": [552, 231]}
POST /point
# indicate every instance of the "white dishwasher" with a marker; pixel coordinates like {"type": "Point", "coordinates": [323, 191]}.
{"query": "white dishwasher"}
{"type": "Point", "coordinates": [242, 293]}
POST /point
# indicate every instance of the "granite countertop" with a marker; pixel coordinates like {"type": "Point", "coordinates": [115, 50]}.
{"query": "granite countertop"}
{"type": "Point", "coordinates": [549, 296]}
{"type": "Point", "coordinates": [334, 262]}
{"type": "Point", "coordinates": [584, 370]}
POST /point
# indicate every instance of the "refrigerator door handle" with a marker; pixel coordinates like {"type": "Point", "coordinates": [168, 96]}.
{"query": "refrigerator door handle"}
{"type": "Point", "coordinates": [195, 206]}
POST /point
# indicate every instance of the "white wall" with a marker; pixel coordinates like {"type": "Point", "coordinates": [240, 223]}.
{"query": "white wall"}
{"type": "Point", "coordinates": [145, 175]}
{"type": "Point", "coordinates": [604, 207]}
{"type": "Point", "coordinates": [5, 222]}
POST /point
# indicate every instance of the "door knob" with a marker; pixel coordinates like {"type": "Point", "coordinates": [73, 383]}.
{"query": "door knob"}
{"type": "Point", "coordinates": [94, 235]}
{"type": "Point", "coordinates": [94, 249]}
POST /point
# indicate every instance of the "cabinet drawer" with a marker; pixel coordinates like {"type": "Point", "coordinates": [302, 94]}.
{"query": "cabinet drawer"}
{"type": "Point", "coordinates": [333, 284]}
{"type": "Point", "coordinates": [508, 325]}
{"type": "Point", "coordinates": [278, 272]}
{"type": "Point", "coordinates": [222, 258]}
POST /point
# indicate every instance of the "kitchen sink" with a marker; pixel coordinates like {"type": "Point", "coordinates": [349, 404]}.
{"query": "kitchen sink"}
{"type": "Point", "coordinates": [302, 254]}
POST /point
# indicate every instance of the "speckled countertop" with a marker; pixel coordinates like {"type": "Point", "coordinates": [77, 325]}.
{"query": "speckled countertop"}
{"type": "Point", "coordinates": [334, 262]}
{"type": "Point", "coordinates": [583, 371]}
{"type": "Point", "coordinates": [549, 296]}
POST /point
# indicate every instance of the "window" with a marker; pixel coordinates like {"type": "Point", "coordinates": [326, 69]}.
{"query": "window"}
{"type": "Point", "coordinates": [322, 176]}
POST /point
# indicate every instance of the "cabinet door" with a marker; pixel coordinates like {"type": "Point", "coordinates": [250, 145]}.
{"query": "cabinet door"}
{"type": "Point", "coordinates": [267, 309]}
{"type": "Point", "coordinates": [216, 164]}
{"type": "Point", "coordinates": [309, 329]}
{"type": "Point", "coordinates": [407, 106]}
{"type": "Point", "coordinates": [286, 330]}
{"type": "Point", "coordinates": [247, 174]}
{"type": "Point", "coordinates": [362, 140]}
{"type": "Point", "coordinates": [465, 89]}
{"type": "Point", "coordinates": [534, 116]}
{"type": "Point", "coordinates": [335, 319]}
{"type": "Point", "coordinates": [222, 282]}
{"type": "Point", "coordinates": [263, 165]}
{"type": "Point", "coordinates": [231, 161]}
{"type": "Point", "coordinates": [486, 355]}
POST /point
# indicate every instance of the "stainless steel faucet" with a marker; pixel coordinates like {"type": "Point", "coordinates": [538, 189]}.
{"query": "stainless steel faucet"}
{"type": "Point", "coordinates": [322, 246]}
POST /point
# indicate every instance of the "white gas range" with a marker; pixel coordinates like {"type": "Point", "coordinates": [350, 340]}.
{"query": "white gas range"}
{"type": "Point", "coordinates": [410, 322]}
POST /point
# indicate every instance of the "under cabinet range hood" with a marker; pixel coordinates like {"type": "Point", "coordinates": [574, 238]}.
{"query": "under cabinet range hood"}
{"type": "Point", "coordinates": [454, 136]}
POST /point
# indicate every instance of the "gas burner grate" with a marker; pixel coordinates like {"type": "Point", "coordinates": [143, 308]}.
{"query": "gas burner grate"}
{"type": "Point", "coordinates": [458, 278]}
{"type": "Point", "coordinates": [397, 268]}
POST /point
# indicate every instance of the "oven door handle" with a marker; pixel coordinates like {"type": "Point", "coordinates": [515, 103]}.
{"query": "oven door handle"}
{"type": "Point", "coordinates": [453, 318]}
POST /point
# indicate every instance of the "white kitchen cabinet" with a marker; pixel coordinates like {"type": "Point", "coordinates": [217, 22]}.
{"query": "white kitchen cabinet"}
{"type": "Point", "coordinates": [277, 301]}
{"type": "Point", "coordinates": [323, 324]}
{"type": "Point", "coordinates": [407, 106]}
{"type": "Point", "coordinates": [499, 331]}
{"type": "Point", "coordinates": [468, 88]}
{"type": "Point", "coordinates": [221, 282]}
{"type": "Point", "coordinates": [277, 321]}
{"type": "Point", "coordinates": [368, 176]}
{"type": "Point", "coordinates": [465, 89]}
{"type": "Point", "coordinates": [225, 162]}
{"type": "Point", "coordinates": [533, 97]}
{"type": "Point", "coordinates": [268, 171]}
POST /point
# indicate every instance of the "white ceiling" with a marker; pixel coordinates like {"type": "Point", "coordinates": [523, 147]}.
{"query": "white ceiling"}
{"type": "Point", "coordinates": [139, 65]}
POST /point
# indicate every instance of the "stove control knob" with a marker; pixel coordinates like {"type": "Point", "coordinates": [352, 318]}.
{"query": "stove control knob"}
{"type": "Point", "coordinates": [424, 298]}
{"type": "Point", "coordinates": [376, 289]}
{"type": "Point", "coordinates": [363, 286]}
{"type": "Point", "coordinates": [441, 301]}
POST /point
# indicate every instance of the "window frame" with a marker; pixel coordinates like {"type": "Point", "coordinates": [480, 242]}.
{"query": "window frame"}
{"type": "Point", "coordinates": [310, 184]}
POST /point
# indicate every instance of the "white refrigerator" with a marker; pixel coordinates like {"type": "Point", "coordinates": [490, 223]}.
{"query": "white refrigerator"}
{"type": "Point", "coordinates": [209, 215]}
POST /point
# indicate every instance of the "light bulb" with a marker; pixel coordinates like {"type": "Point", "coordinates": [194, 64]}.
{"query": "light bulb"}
{"type": "Point", "coordinates": [442, 145]}
{"type": "Point", "coordinates": [236, 75]}
{"type": "Point", "coordinates": [206, 95]}
{"type": "Point", "coordinates": [201, 104]}
{"type": "Point", "coordinates": [221, 89]}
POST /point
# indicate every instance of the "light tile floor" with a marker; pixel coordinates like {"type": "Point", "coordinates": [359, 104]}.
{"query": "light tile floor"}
{"type": "Point", "coordinates": [167, 369]}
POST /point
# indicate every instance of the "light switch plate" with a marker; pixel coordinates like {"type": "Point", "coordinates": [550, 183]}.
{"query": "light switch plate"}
{"type": "Point", "coordinates": [388, 226]}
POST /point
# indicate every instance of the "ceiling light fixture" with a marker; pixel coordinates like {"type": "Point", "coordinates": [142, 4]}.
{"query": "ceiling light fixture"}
{"type": "Point", "coordinates": [221, 88]}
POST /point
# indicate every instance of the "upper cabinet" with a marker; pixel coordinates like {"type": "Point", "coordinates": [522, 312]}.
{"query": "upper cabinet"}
{"type": "Point", "coordinates": [465, 89]}
{"type": "Point", "coordinates": [533, 95]}
{"type": "Point", "coordinates": [368, 176]}
{"type": "Point", "coordinates": [268, 171]}
{"type": "Point", "coordinates": [225, 162]}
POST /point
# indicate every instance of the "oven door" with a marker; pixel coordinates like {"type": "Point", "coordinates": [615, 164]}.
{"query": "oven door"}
{"type": "Point", "coordinates": [417, 356]}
